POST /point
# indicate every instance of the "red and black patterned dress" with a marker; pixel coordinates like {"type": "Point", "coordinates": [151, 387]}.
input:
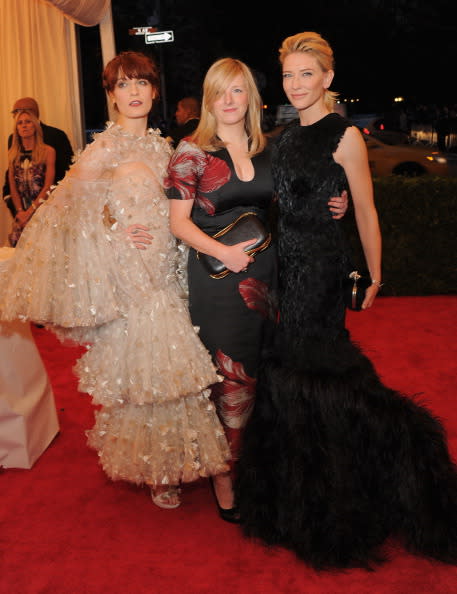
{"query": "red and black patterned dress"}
{"type": "Point", "coordinates": [233, 313]}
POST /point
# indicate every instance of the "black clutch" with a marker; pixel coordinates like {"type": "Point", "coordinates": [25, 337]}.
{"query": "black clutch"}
{"type": "Point", "coordinates": [354, 289]}
{"type": "Point", "coordinates": [247, 226]}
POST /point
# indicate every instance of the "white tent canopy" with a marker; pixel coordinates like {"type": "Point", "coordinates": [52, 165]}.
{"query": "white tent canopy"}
{"type": "Point", "coordinates": [39, 58]}
{"type": "Point", "coordinates": [83, 12]}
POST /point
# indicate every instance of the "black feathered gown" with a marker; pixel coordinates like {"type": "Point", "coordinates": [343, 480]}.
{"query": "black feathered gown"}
{"type": "Point", "coordinates": [334, 462]}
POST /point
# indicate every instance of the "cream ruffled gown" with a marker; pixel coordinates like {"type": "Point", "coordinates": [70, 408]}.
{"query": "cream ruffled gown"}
{"type": "Point", "coordinates": [75, 269]}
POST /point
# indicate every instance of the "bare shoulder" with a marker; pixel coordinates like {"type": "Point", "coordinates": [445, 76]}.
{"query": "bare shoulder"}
{"type": "Point", "coordinates": [351, 146]}
{"type": "Point", "coordinates": [352, 135]}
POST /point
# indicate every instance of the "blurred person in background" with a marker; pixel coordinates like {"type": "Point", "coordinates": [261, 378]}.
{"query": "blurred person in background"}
{"type": "Point", "coordinates": [31, 170]}
{"type": "Point", "coordinates": [51, 136]}
{"type": "Point", "coordinates": [187, 117]}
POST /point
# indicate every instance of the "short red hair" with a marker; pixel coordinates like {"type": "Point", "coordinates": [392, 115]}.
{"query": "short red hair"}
{"type": "Point", "coordinates": [130, 65]}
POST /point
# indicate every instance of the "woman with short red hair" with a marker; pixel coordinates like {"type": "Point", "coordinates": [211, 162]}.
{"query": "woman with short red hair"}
{"type": "Point", "coordinates": [76, 270]}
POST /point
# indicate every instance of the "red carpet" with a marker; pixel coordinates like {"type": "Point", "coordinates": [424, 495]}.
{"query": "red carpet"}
{"type": "Point", "coordinates": [66, 529]}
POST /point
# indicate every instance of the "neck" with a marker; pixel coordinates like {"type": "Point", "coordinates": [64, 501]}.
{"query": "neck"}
{"type": "Point", "coordinates": [235, 135]}
{"type": "Point", "coordinates": [135, 126]}
{"type": "Point", "coordinates": [28, 143]}
{"type": "Point", "coordinates": [312, 114]}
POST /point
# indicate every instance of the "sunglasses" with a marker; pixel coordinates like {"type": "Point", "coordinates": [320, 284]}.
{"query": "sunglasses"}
{"type": "Point", "coordinates": [26, 110]}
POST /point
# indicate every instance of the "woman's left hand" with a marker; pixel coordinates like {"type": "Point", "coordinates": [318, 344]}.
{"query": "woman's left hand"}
{"type": "Point", "coordinates": [339, 205]}
{"type": "Point", "coordinates": [139, 236]}
{"type": "Point", "coordinates": [370, 296]}
{"type": "Point", "coordinates": [23, 217]}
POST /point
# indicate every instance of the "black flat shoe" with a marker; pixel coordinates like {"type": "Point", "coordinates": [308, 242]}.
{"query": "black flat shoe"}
{"type": "Point", "coordinates": [231, 514]}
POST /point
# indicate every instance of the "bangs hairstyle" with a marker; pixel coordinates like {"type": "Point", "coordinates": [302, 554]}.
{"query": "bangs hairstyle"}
{"type": "Point", "coordinates": [312, 43]}
{"type": "Point", "coordinates": [217, 79]}
{"type": "Point", "coordinates": [39, 150]}
{"type": "Point", "coordinates": [130, 65]}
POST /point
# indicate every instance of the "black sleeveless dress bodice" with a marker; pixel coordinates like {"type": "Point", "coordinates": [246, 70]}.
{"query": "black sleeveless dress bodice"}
{"type": "Point", "coordinates": [311, 242]}
{"type": "Point", "coordinates": [333, 462]}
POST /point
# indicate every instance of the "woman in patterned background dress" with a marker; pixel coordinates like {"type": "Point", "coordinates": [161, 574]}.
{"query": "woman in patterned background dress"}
{"type": "Point", "coordinates": [31, 170]}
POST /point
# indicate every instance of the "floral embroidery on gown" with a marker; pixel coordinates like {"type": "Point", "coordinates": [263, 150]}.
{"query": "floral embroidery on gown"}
{"type": "Point", "coordinates": [75, 271]}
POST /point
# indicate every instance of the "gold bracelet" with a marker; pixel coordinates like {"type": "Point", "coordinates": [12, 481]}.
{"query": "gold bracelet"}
{"type": "Point", "coordinates": [379, 284]}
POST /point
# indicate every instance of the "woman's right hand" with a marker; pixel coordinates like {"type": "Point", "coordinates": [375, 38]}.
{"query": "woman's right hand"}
{"type": "Point", "coordinates": [232, 256]}
{"type": "Point", "coordinates": [235, 258]}
{"type": "Point", "coordinates": [139, 236]}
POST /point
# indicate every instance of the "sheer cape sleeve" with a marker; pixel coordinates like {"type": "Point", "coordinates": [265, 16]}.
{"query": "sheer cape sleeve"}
{"type": "Point", "coordinates": [63, 272]}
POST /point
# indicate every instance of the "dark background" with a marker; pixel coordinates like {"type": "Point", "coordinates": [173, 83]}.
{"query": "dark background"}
{"type": "Point", "coordinates": [383, 49]}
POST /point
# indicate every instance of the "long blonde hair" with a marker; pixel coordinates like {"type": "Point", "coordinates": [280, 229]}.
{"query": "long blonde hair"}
{"type": "Point", "coordinates": [217, 79]}
{"type": "Point", "coordinates": [317, 46]}
{"type": "Point", "coordinates": [39, 152]}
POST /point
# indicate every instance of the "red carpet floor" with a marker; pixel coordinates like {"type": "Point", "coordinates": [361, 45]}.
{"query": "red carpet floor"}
{"type": "Point", "coordinates": [66, 529]}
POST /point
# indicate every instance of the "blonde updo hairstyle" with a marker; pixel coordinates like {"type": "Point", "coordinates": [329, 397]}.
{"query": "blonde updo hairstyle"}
{"type": "Point", "coordinates": [217, 79]}
{"type": "Point", "coordinates": [313, 44]}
